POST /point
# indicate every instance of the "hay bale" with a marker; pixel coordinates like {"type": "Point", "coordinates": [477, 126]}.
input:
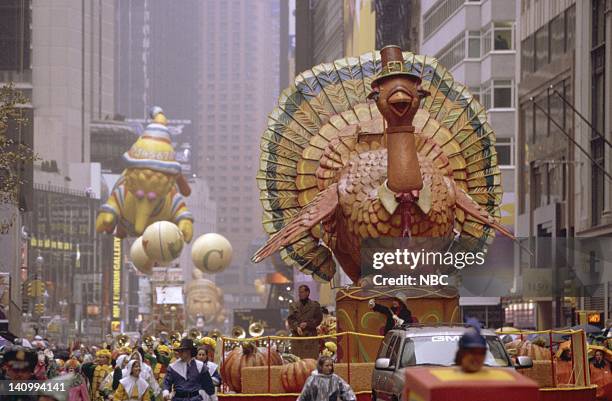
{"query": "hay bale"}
{"type": "Point", "coordinates": [541, 373]}
{"type": "Point", "coordinates": [361, 375]}
{"type": "Point", "coordinates": [255, 379]}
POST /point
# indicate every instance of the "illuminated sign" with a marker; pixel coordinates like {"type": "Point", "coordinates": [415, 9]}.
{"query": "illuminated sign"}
{"type": "Point", "coordinates": [116, 311]}
{"type": "Point", "coordinates": [594, 318]}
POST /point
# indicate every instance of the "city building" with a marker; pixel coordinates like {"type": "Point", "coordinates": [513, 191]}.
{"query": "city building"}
{"type": "Point", "coordinates": [397, 23]}
{"type": "Point", "coordinates": [564, 168]}
{"type": "Point", "coordinates": [329, 30]}
{"type": "Point", "coordinates": [16, 68]}
{"type": "Point", "coordinates": [475, 41]}
{"type": "Point", "coordinates": [60, 55]}
{"type": "Point", "coordinates": [319, 30]}
{"type": "Point", "coordinates": [240, 49]}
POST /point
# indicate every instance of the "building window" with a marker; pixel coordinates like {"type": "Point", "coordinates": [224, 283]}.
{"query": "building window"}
{"type": "Point", "coordinates": [453, 53]}
{"type": "Point", "coordinates": [542, 122]}
{"type": "Point", "coordinates": [498, 94]}
{"type": "Point", "coordinates": [541, 47]}
{"type": "Point", "coordinates": [527, 56]}
{"type": "Point", "coordinates": [557, 37]}
{"type": "Point", "coordinates": [505, 151]}
{"type": "Point", "coordinates": [570, 28]}
{"type": "Point", "coordinates": [498, 36]}
{"type": "Point", "coordinates": [438, 14]}
{"type": "Point", "coordinates": [473, 50]}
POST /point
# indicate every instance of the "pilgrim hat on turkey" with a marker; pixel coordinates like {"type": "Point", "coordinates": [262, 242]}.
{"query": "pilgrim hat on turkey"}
{"type": "Point", "coordinates": [187, 344]}
{"type": "Point", "coordinates": [393, 65]}
{"type": "Point", "coordinates": [392, 61]}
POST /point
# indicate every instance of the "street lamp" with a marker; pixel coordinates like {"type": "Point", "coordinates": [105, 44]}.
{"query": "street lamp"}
{"type": "Point", "coordinates": [173, 312]}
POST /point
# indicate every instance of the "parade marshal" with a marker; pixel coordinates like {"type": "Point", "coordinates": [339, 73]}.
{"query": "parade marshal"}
{"type": "Point", "coordinates": [187, 376]}
{"type": "Point", "coordinates": [304, 317]}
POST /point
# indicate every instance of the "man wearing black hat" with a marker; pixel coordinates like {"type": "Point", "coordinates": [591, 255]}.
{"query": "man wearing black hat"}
{"type": "Point", "coordinates": [187, 376]}
{"type": "Point", "coordinates": [18, 364]}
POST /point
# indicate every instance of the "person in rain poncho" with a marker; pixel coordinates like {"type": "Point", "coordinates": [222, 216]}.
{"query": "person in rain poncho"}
{"type": "Point", "coordinates": [146, 373]}
{"type": "Point", "coordinates": [133, 387]}
{"type": "Point", "coordinates": [325, 385]}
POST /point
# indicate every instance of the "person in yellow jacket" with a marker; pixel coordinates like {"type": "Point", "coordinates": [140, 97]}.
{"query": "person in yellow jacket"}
{"type": "Point", "coordinates": [132, 387]}
{"type": "Point", "coordinates": [163, 353]}
{"type": "Point", "coordinates": [102, 369]}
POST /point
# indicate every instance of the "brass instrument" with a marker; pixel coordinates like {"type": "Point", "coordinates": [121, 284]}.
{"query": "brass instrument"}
{"type": "Point", "coordinates": [238, 332]}
{"type": "Point", "coordinates": [195, 335]}
{"type": "Point", "coordinates": [256, 329]}
{"type": "Point", "coordinates": [122, 340]}
{"type": "Point", "coordinates": [149, 342]}
{"type": "Point", "coordinates": [175, 337]}
{"type": "Point", "coordinates": [215, 334]}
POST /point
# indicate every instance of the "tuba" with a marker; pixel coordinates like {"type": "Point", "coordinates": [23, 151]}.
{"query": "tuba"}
{"type": "Point", "coordinates": [149, 342]}
{"type": "Point", "coordinates": [215, 334]}
{"type": "Point", "coordinates": [256, 329]}
{"type": "Point", "coordinates": [122, 340]}
{"type": "Point", "coordinates": [195, 335]}
{"type": "Point", "coordinates": [238, 332]}
{"type": "Point", "coordinates": [175, 337]}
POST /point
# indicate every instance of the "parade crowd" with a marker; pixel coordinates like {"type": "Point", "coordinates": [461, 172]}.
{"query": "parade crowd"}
{"type": "Point", "coordinates": [148, 372]}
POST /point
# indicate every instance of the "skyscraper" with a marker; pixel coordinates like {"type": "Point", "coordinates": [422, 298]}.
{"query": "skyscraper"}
{"type": "Point", "coordinates": [240, 74]}
{"type": "Point", "coordinates": [159, 62]}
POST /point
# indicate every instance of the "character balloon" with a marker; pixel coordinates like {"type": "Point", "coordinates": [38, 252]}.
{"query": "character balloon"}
{"type": "Point", "coordinates": [150, 189]}
{"type": "Point", "coordinates": [204, 300]}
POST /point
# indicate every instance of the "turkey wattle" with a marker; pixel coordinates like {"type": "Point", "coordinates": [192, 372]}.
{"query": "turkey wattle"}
{"type": "Point", "coordinates": [333, 171]}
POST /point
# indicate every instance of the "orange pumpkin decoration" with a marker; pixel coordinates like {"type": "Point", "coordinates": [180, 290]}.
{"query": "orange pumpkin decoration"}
{"type": "Point", "coordinates": [294, 375]}
{"type": "Point", "coordinates": [245, 356]}
{"type": "Point", "coordinates": [527, 348]}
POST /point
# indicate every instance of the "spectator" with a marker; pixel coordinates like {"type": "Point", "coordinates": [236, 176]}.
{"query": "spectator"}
{"type": "Point", "coordinates": [325, 385]}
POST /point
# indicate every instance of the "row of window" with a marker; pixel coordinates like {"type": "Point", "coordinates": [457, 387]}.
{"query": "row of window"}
{"type": "Point", "coordinates": [549, 43]}
{"type": "Point", "coordinates": [497, 36]}
{"type": "Point", "coordinates": [547, 180]}
{"type": "Point", "coordinates": [439, 13]}
{"type": "Point", "coordinates": [537, 124]}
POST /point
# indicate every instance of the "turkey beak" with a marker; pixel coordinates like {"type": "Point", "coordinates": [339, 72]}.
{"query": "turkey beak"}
{"type": "Point", "coordinates": [400, 102]}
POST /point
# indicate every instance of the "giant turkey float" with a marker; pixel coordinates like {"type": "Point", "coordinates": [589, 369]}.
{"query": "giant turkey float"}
{"type": "Point", "coordinates": [384, 145]}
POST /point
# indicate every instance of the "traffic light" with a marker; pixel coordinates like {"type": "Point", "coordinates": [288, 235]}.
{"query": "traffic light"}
{"type": "Point", "coordinates": [39, 309]}
{"type": "Point", "coordinates": [35, 288]}
{"type": "Point", "coordinates": [29, 289]}
{"type": "Point", "coordinates": [40, 288]}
